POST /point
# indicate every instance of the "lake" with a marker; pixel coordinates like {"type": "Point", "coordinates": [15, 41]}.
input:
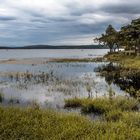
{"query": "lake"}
{"type": "Point", "coordinates": [50, 83]}
{"type": "Point", "coordinates": [54, 53]}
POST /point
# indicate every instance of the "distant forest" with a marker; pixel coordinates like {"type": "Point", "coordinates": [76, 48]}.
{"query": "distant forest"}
{"type": "Point", "coordinates": [57, 47]}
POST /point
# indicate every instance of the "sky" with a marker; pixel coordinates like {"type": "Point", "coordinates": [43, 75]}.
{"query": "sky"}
{"type": "Point", "coordinates": [61, 22]}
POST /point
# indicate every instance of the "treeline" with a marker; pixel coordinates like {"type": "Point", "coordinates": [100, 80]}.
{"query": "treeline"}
{"type": "Point", "coordinates": [58, 47]}
{"type": "Point", "coordinates": [127, 37]}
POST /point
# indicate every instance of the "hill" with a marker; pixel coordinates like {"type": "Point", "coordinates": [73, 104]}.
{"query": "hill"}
{"type": "Point", "coordinates": [57, 47]}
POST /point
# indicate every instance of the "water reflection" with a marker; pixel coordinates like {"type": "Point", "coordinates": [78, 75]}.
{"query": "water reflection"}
{"type": "Point", "coordinates": [127, 79]}
{"type": "Point", "coordinates": [51, 83]}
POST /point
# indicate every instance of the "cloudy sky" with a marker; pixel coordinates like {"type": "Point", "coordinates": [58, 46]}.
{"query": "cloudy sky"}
{"type": "Point", "coordinates": [58, 22]}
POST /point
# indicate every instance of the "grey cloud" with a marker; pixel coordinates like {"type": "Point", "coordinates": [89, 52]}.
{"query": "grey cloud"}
{"type": "Point", "coordinates": [40, 20]}
{"type": "Point", "coordinates": [7, 18]}
{"type": "Point", "coordinates": [37, 27]}
{"type": "Point", "coordinates": [125, 8]}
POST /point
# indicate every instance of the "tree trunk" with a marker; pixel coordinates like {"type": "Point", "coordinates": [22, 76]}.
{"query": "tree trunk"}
{"type": "Point", "coordinates": [135, 49]}
{"type": "Point", "coordinates": [111, 48]}
{"type": "Point", "coordinates": [118, 47]}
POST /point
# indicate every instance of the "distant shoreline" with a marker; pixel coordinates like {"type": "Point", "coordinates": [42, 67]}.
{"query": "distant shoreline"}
{"type": "Point", "coordinates": [57, 47]}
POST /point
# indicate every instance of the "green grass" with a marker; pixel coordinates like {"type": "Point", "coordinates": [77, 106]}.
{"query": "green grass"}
{"type": "Point", "coordinates": [37, 124]}
{"type": "Point", "coordinates": [103, 105]}
{"type": "Point", "coordinates": [128, 61]}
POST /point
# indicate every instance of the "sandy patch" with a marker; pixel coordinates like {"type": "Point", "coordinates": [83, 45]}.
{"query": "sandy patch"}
{"type": "Point", "coordinates": [27, 61]}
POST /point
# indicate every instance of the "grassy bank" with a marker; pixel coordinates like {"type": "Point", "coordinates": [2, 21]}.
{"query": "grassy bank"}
{"type": "Point", "coordinates": [126, 74]}
{"type": "Point", "coordinates": [127, 61]}
{"type": "Point", "coordinates": [33, 123]}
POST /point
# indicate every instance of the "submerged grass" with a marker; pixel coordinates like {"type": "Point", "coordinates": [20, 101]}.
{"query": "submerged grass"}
{"type": "Point", "coordinates": [34, 123]}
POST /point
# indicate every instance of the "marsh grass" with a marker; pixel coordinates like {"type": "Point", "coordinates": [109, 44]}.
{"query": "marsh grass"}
{"type": "Point", "coordinates": [34, 123]}
{"type": "Point", "coordinates": [113, 115]}
{"type": "Point", "coordinates": [54, 83]}
{"type": "Point", "coordinates": [68, 60]}
{"type": "Point", "coordinates": [73, 103]}
{"type": "Point", "coordinates": [103, 105]}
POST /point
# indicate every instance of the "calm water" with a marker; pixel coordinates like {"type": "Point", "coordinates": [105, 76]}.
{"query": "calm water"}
{"type": "Point", "coordinates": [51, 83]}
{"type": "Point", "coordinates": [69, 53]}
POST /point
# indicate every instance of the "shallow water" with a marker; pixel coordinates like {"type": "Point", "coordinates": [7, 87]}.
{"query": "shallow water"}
{"type": "Point", "coordinates": [24, 84]}
{"type": "Point", "coordinates": [50, 83]}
